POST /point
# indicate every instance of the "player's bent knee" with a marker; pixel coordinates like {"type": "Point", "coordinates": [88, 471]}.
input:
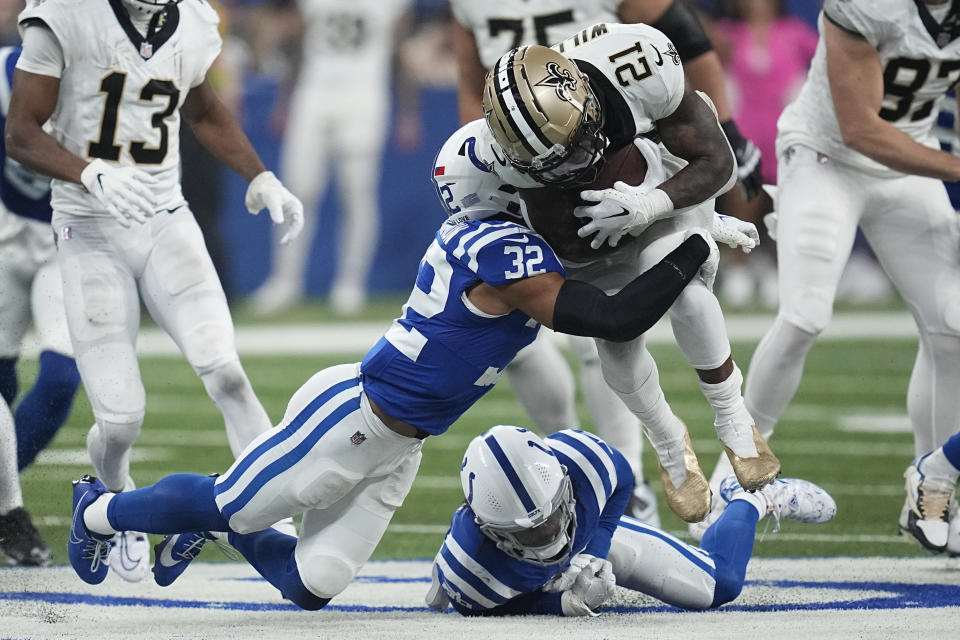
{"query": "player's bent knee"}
{"type": "Point", "coordinates": [810, 310]}
{"type": "Point", "coordinates": [728, 586]}
{"type": "Point", "coordinates": [326, 576]}
{"type": "Point", "coordinates": [209, 347]}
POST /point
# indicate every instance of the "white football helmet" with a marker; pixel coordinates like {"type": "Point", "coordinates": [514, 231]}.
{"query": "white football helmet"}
{"type": "Point", "coordinates": [520, 495]}
{"type": "Point", "coordinates": [467, 186]}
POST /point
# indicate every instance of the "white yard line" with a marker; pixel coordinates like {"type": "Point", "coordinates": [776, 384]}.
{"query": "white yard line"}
{"type": "Point", "coordinates": [357, 337]}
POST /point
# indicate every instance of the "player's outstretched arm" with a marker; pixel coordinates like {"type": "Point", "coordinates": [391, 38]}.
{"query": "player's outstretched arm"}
{"type": "Point", "coordinates": [218, 131]}
{"type": "Point", "coordinates": [581, 309]}
{"type": "Point", "coordinates": [855, 74]}
{"type": "Point", "coordinates": [693, 133]}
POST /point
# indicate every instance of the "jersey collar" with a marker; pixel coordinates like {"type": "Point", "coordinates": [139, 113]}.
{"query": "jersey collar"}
{"type": "Point", "coordinates": [942, 33]}
{"type": "Point", "coordinates": [166, 20]}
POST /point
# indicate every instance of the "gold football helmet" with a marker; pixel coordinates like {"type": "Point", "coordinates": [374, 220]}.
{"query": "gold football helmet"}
{"type": "Point", "coordinates": [544, 115]}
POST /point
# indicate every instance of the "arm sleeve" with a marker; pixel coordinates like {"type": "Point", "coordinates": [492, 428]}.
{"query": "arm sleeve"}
{"type": "Point", "coordinates": [42, 53]}
{"type": "Point", "coordinates": [682, 26]}
{"type": "Point", "coordinates": [599, 545]}
{"type": "Point", "coordinates": [582, 309]}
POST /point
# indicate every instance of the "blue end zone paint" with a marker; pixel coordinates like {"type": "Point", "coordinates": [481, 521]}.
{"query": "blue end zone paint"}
{"type": "Point", "coordinates": [901, 595]}
{"type": "Point", "coordinates": [361, 579]}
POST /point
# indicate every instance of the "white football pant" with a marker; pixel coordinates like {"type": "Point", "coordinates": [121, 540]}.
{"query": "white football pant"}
{"type": "Point", "coordinates": [30, 288]}
{"type": "Point", "coordinates": [334, 461]}
{"type": "Point", "coordinates": [326, 132]}
{"type": "Point", "coordinates": [107, 270]}
{"type": "Point", "coordinates": [915, 234]}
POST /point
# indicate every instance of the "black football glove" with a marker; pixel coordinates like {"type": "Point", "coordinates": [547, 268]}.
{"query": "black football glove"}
{"type": "Point", "coordinates": [748, 160]}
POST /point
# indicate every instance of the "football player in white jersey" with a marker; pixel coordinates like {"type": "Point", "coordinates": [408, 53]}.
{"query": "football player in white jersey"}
{"type": "Point", "coordinates": [482, 32]}
{"type": "Point", "coordinates": [338, 124]}
{"type": "Point", "coordinates": [543, 531]}
{"type": "Point", "coordinates": [553, 114]}
{"type": "Point", "coordinates": [112, 77]}
{"type": "Point", "coordinates": [856, 148]}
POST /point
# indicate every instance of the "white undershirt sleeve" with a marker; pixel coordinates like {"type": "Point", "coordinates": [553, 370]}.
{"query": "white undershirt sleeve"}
{"type": "Point", "coordinates": [42, 53]}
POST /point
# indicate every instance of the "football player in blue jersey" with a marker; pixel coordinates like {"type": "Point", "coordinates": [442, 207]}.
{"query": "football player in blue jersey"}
{"type": "Point", "coordinates": [348, 447]}
{"type": "Point", "coordinates": [542, 531]}
{"type": "Point", "coordinates": [30, 289]}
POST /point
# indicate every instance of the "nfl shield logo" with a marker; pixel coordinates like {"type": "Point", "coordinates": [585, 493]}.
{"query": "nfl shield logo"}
{"type": "Point", "coordinates": [146, 49]}
{"type": "Point", "coordinates": [358, 438]}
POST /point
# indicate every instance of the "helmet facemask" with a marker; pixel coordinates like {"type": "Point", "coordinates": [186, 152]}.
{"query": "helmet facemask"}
{"type": "Point", "coordinates": [545, 539]}
{"type": "Point", "coordinates": [579, 162]}
{"type": "Point", "coordinates": [147, 7]}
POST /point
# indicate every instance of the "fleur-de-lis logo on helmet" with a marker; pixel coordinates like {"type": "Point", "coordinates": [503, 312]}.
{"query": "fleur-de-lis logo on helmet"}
{"type": "Point", "coordinates": [560, 79]}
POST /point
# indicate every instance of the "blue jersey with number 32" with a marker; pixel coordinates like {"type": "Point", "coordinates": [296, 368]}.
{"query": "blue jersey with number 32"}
{"type": "Point", "coordinates": [443, 353]}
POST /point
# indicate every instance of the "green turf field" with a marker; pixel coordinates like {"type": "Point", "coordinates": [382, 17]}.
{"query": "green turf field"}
{"type": "Point", "coordinates": [857, 384]}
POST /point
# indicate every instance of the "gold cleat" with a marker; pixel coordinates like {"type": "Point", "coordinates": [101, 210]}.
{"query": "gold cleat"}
{"type": "Point", "coordinates": [755, 473]}
{"type": "Point", "coordinates": [691, 500]}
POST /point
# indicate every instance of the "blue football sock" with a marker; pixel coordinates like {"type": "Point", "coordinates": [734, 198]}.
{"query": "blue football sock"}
{"type": "Point", "coordinates": [951, 449]}
{"type": "Point", "coordinates": [271, 554]}
{"type": "Point", "coordinates": [730, 542]}
{"type": "Point", "coordinates": [46, 406]}
{"type": "Point", "coordinates": [178, 503]}
{"type": "Point", "coordinates": [8, 379]}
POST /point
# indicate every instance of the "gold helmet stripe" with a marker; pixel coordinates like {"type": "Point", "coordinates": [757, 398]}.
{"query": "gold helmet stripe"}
{"type": "Point", "coordinates": [511, 102]}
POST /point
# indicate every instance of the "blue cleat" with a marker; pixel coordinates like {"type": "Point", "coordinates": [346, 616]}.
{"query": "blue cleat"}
{"type": "Point", "coordinates": [87, 550]}
{"type": "Point", "coordinates": [174, 553]}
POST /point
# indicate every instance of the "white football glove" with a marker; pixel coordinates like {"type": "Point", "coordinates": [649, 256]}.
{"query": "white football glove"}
{"type": "Point", "coordinates": [285, 208]}
{"type": "Point", "coordinates": [708, 270]}
{"type": "Point", "coordinates": [735, 232]}
{"type": "Point", "coordinates": [565, 579]}
{"type": "Point", "coordinates": [595, 584]}
{"type": "Point", "coordinates": [770, 222]}
{"type": "Point", "coordinates": [621, 210]}
{"type": "Point", "coordinates": [573, 606]}
{"type": "Point", "coordinates": [125, 192]}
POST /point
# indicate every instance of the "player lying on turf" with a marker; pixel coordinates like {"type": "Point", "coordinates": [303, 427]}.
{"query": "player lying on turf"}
{"type": "Point", "coordinates": [348, 447]}
{"type": "Point", "coordinates": [929, 513]}
{"type": "Point", "coordinates": [542, 531]}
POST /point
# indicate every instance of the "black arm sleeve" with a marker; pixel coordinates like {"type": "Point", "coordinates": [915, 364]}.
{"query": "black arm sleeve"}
{"type": "Point", "coordinates": [582, 309]}
{"type": "Point", "coordinates": [682, 26]}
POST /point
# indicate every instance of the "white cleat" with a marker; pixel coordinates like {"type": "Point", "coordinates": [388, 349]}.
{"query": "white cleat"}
{"type": "Point", "coordinates": [790, 498]}
{"type": "Point", "coordinates": [926, 513]}
{"type": "Point", "coordinates": [129, 555]}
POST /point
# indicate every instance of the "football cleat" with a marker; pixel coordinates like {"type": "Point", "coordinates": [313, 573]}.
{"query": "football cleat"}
{"type": "Point", "coordinates": [755, 469]}
{"type": "Point", "coordinates": [21, 542]}
{"type": "Point", "coordinates": [643, 504]}
{"type": "Point", "coordinates": [175, 553]}
{"type": "Point", "coordinates": [926, 513]}
{"type": "Point", "coordinates": [691, 500]}
{"type": "Point", "coordinates": [87, 550]}
{"type": "Point", "coordinates": [790, 498]}
{"type": "Point", "coordinates": [130, 555]}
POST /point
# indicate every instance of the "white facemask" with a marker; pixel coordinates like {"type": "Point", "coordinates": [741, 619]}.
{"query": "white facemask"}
{"type": "Point", "coordinates": [141, 13]}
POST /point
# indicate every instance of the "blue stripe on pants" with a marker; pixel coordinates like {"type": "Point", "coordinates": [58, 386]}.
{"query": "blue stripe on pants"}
{"type": "Point", "coordinates": [243, 464]}
{"type": "Point", "coordinates": [287, 461]}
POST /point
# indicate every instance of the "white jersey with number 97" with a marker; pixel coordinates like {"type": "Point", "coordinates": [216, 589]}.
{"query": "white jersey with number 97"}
{"type": "Point", "coordinates": [120, 95]}
{"type": "Point", "coordinates": [921, 62]}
